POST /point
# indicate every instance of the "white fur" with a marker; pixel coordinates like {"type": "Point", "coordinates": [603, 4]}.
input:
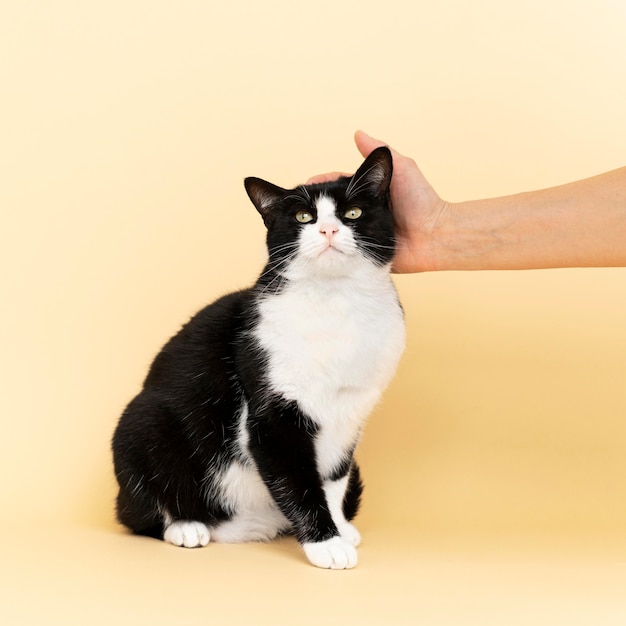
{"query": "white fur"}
{"type": "Point", "coordinates": [187, 534]}
{"type": "Point", "coordinates": [240, 487]}
{"type": "Point", "coordinates": [257, 518]}
{"type": "Point", "coordinates": [334, 337]}
{"type": "Point", "coordinates": [335, 491]}
{"type": "Point", "coordinates": [333, 349]}
{"type": "Point", "coordinates": [335, 553]}
{"type": "Point", "coordinates": [326, 246]}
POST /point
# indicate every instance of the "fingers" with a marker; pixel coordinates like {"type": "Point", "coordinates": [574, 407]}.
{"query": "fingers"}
{"type": "Point", "coordinates": [325, 178]}
{"type": "Point", "coordinates": [365, 144]}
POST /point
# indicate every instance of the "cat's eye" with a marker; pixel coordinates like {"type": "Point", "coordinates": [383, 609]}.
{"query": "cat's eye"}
{"type": "Point", "coordinates": [353, 214]}
{"type": "Point", "coordinates": [304, 217]}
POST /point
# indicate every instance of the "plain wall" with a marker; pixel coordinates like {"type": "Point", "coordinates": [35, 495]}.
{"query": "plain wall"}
{"type": "Point", "coordinates": [126, 131]}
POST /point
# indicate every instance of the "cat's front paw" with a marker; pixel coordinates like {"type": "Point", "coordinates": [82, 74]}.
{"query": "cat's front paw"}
{"type": "Point", "coordinates": [335, 553]}
{"type": "Point", "coordinates": [187, 534]}
{"type": "Point", "coordinates": [350, 534]}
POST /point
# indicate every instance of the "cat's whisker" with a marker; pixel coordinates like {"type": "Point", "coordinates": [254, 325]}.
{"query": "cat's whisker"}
{"type": "Point", "coordinates": [299, 197]}
{"type": "Point", "coordinates": [372, 244]}
{"type": "Point", "coordinates": [276, 264]}
{"type": "Point", "coordinates": [305, 191]}
{"type": "Point", "coordinates": [350, 191]}
{"type": "Point", "coordinates": [357, 189]}
{"type": "Point", "coordinates": [283, 247]}
{"type": "Point", "coordinates": [276, 269]}
{"type": "Point", "coordinates": [268, 287]}
{"type": "Point", "coordinates": [283, 260]}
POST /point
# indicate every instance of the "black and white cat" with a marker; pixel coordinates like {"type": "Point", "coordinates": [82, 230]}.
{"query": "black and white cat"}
{"type": "Point", "coordinates": [249, 417]}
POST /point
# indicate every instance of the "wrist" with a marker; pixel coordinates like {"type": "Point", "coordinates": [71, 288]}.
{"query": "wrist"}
{"type": "Point", "coordinates": [462, 238]}
{"type": "Point", "coordinates": [448, 240]}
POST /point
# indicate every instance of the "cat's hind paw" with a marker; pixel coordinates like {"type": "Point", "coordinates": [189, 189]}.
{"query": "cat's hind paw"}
{"type": "Point", "coordinates": [187, 534]}
{"type": "Point", "coordinates": [335, 553]}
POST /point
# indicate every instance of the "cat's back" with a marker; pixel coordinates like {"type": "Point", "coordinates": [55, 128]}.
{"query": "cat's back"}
{"type": "Point", "coordinates": [206, 343]}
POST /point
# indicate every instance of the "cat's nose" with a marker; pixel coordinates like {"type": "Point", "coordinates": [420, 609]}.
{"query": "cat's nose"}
{"type": "Point", "coordinates": [328, 230]}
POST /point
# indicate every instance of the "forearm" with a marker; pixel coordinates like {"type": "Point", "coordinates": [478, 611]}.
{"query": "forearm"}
{"type": "Point", "coordinates": [581, 224]}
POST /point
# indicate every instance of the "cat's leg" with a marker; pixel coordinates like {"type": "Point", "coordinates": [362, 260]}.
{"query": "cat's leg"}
{"type": "Point", "coordinates": [160, 494]}
{"type": "Point", "coordinates": [336, 491]}
{"type": "Point", "coordinates": [138, 510]}
{"type": "Point", "coordinates": [281, 441]}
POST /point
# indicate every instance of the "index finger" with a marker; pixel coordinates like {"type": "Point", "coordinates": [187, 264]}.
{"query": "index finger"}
{"type": "Point", "coordinates": [325, 178]}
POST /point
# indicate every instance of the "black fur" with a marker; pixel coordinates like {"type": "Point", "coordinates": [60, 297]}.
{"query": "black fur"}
{"type": "Point", "coordinates": [181, 430]}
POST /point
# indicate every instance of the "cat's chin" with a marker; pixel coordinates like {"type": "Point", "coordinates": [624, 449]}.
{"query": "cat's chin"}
{"type": "Point", "coordinates": [334, 262]}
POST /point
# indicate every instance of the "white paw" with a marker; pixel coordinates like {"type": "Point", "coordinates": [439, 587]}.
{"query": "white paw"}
{"type": "Point", "coordinates": [187, 534]}
{"type": "Point", "coordinates": [335, 553]}
{"type": "Point", "coordinates": [350, 534]}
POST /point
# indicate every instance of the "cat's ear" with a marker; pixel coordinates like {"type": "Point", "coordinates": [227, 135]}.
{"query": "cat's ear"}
{"type": "Point", "coordinates": [264, 195]}
{"type": "Point", "coordinates": [374, 174]}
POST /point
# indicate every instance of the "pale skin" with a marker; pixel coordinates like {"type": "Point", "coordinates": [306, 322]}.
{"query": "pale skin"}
{"type": "Point", "coordinates": [579, 224]}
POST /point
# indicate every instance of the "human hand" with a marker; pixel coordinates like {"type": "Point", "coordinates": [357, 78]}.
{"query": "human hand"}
{"type": "Point", "coordinates": [417, 209]}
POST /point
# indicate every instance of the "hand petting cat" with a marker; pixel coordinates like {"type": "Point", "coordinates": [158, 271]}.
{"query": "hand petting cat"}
{"type": "Point", "coordinates": [417, 208]}
{"type": "Point", "coordinates": [578, 224]}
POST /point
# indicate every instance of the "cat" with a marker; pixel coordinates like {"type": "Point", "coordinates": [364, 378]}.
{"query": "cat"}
{"type": "Point", "coordinates": [248, 419]}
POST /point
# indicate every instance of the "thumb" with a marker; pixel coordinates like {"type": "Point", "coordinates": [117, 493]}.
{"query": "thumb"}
{"type": "Point", "coordinates": [365, 143]}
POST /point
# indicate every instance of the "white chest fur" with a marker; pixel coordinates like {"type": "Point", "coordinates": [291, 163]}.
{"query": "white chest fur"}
{"type": "Point", "coordinates": [333, 346]}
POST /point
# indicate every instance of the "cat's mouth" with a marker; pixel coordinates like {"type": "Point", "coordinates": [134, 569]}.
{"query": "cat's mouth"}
{"type": "Point", "coordinates": [330, 251]}
{"type": "Point", "coordinates": [332, 247]}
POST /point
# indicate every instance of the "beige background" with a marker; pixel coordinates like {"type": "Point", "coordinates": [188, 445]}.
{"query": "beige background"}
{"type": "Point", "coordinates": [495, 466]}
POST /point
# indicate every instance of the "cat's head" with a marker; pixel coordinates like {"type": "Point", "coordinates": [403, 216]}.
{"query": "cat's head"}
{"type": "Point", "coordinates": [329, 228]}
